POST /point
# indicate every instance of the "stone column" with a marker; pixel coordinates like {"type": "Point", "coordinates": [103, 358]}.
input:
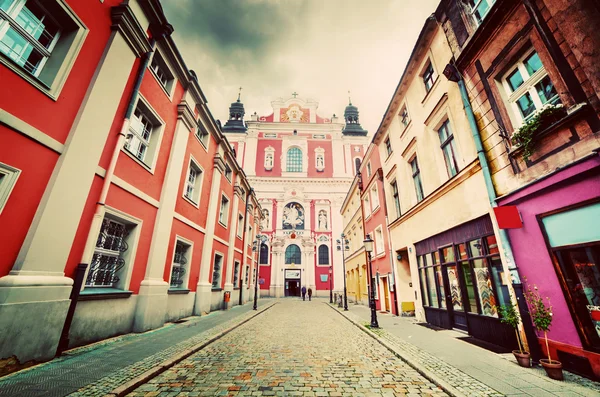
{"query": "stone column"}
{"type": "Point", "coordinates": [151, 307]}
{"type": "Point", "coordinates": [238, 195]}
{"type": "Point", "coordinates": [204, 287]}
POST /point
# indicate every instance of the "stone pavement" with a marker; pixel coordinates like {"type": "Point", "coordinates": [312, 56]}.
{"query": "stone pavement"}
{"type": "Point", "coordinates": [470, 369]}
{"type": "Point", "coordinates": [97, 369]}
{"type": "Point", "coordinates": [295, 348]}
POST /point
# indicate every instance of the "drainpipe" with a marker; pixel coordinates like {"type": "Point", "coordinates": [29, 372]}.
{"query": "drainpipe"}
{"type": "Point", "coordinates": [517, 295]}
{"type": "Point", "coordinates": [90, 244]}
{"type": "Point", "coordinates": [244, 248]}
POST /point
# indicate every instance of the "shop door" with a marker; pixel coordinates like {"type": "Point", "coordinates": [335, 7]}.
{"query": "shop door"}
{"type": "Point", "coordinates": [454, 298]}
{"type": "Point", "coordinates": [386, 293]}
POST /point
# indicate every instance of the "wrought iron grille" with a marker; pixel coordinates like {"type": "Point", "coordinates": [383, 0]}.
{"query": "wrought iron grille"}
{"type": "Point", "coordinates": [294, 160]}
{"type": "Point", "coordinates": [178, 269]}
{"type": "Point", "coordinates": [107, 259]}
{"type": "Point", "coordinates": [216, 281]}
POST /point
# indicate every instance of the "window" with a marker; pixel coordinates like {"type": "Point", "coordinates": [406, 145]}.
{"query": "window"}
{"type": "Point", "coordinates": [247, 276]}
{"type": "Point", "coordinates": [264, 254]}
{"type": "Point", "coordinates": [179, 261]}
{"type": "Point", "coordinates": [388, 146]}
{"type": "Point", "coordinates": [293, 255]}
{"type": "Point", "coordinates": [379, 246]}
{"type": "Point", "coordinates": [323, 254]}
{"type": "Point", "coordinates": [480, 8]}
{"type": "Point", "coordinates": [109, 255]}
{"type": "Point", "coordinates": [240, 225]}
{"type": "Point", "coordinates": [39, 41]}
{"type": "Point", "coordinates": [201, 133]}
{"type": "Point", "coordinates": [8, 179]}
{"type": "Point", "coordinates": [236, 274]}
{"type": "Point", "coordinates": [294, 160]}
{"type": "Point", "coordinates": [416, 175]}
{"type": "Point", "coordinates": [142, 139]}
{"type": "Point", "coordinates": [161, 71]}
{"type": "Point", "coordinates": [448, 146]}
{"type": "Point", "coordinates": [404, 118]}
{"type": "Point", "coordinates": [396, 198]}
{"type": "Point", "coordinates": [217, 270]}
{"type": "Point", "coordinates": [429, 77]}
{"type": "Point", "coordinates": [356, 165]}
{"type": "Point", "coordinates": [224, 211]}
{"type": "Point", "coordinates": [529, 87]}
{"type": "Point", "coordinates": [375, 197]}
{"type": "Point", "coordinates": [228, 172]}
{"type": "Point", "coordinates": [367, 204]}
{"type": "Point", "coordinates": [369, 169]}
{"type": "Point", "coordinates": [193, 183]}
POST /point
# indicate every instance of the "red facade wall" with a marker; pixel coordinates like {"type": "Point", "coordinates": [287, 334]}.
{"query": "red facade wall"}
{"type": "Point", "coordinates": [312, 170]}
{"type": "Point", "coordinates": [260, 157]}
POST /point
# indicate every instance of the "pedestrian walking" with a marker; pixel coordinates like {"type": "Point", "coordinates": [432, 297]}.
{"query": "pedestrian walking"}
{"type": "Point", "coordinates": [303, 293]}
{"type": "Point", "coordinates": [309, 293]}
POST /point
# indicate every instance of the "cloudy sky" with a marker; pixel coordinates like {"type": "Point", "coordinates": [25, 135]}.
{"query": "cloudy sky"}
{"type": "Point", "coordinates": [318, 48]}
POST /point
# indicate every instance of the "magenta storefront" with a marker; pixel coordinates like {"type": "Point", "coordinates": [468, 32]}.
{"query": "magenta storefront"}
{"type": "Point", "coordinates": [558, 250]}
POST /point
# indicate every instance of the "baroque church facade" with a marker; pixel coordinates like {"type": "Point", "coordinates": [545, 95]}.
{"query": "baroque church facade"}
{"type": "Point", "coordinates": [301, 166]}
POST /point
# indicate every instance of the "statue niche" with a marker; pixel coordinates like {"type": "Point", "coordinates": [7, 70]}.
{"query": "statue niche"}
{"type": "Point", "coordinates": [293, 216]}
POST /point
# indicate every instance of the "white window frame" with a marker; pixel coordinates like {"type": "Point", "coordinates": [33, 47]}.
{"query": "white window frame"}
{"type": "Point", "coordinates": [197, 187]}
{"type": "Point", "coordinates": [379, 242]}
{"type": "Point", "coordinates": [240, 226]}
{"type": "Point", "coordinates": [220, 270]}
{"type": "Point", "coordinates": [228, 173]}
{"type": "Point", "coordinates": [8, 179]}
{"type": "Point", "coordinates": [269, 154]}
{"type": "Point", "coordinates": [202, 134]}
{"type": "Point", "coordinates": [490, 3]}
{"type": "Point", "coordinates": [155, 139]}
{"type": "Point", "coordinates": [159, 62]}
{"type": "Point", "coordinates": [434, 76]}
{"type": "Point", "coordinates": [189, 251]}
{"type": "Point", "coordinates": [369, 169]}
{"type": "Point", "coordinates": [528, 86]}
{"type": "Point", "coordinates": [367, 203]}
{"type": "Point", "coordinates": [58, 73]}
{"type": "Point", "coordinates": [128, 256]}
{"type": "Point", "coordinates": [236, 273]}
{"type": "Point", "coordinates": [224, 212]}
{"type": "Point", "coordinates": [375, 197]}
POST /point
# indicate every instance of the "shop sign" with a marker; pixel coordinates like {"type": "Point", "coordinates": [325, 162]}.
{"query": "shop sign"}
{"type": "Point", "coordinates": [292, 273]}
{"type": "Point", "coordinates": [508, 217]}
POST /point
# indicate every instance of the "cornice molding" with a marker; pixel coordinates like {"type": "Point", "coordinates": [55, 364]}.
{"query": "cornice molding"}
{"type": "Point", "coordinates": [186, 114]}
{"type": "Point", "coordinates": [125, 22]}
{"type": "Point", "coordinates": [219, 163]}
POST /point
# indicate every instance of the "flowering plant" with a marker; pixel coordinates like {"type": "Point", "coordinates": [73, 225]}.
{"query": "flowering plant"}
{"type": "Point", "coordinates": [541, 119]}
{"type": "Point", "coordinates": [510, 315]}
{"type": "Point", "coordinates": [541, 315]}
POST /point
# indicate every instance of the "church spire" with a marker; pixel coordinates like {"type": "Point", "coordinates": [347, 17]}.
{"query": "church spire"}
{"type": "Point", "coordinates": [352, 127]}
{"type": "Point", "coordinates": [236, 116]}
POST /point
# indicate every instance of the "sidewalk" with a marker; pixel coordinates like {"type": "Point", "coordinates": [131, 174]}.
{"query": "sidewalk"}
{"type": "Point", "coordinates": [97, 369]}
{"type": "Point", "coordinates": [469, 369]}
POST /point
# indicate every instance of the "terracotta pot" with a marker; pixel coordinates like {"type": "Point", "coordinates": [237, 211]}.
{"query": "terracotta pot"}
{"type": "Point", "coordinates": [553, 369]}
{"type": "Point", "coordinates": [523, 358]}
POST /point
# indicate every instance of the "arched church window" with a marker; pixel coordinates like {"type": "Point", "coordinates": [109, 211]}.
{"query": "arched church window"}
{"type": "Point", "coordinates": [293, 216]}
{"type": "Point", "coordinates": [294, 160]}
{"type": "Point", "coordinates": [293, 255]}
{"type": "Point", "coordinates": [264, 254]}
{"type": "Point", "coordinates": [323, 254]}
{"type": "Point", "coordinates": [356, 165]}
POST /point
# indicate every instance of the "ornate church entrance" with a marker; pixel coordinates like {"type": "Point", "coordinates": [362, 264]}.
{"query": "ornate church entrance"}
{"type": "Point", "coordinates": [292, 282]}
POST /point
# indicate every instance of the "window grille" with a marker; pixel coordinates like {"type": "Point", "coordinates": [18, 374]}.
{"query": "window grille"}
{"type": "Point", "coordinates": [294, 160]}
{"type": "Point", "coordinates": [179, 262]}
{"type": "Point", "coordinates": [216, 280]}
{"type": "Point", "coordinates": [293, 255]}
{"type": "Point", "coordinates": [323, 255]}
{"type": "Point", "coordinates": [107, 259]}
{"type": "Point", "coordinates": [236, 274]}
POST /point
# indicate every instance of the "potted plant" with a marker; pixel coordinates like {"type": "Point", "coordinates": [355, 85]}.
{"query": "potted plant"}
{"type": "Point", "coordinates": [541, 315]}
{"type": "Point", "coordinates": [542, 119]}
{"type": "Point", "coordinates": [510, 315]}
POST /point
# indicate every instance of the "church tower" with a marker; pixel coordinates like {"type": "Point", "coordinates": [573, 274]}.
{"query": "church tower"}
{"type": "Point", "coordinates": [236, 117]}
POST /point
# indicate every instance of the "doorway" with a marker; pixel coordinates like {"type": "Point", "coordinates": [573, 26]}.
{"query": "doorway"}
{"type": "Point", "coordinates": [292, 287]}
{"type": "Point", "coordinates": [454, 302]}
{"type": "Point", "coordinates": [386, 293]}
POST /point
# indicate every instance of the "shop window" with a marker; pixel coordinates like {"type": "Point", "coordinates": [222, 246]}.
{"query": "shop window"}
{"type": "Point", "coordinates": [529, 88]}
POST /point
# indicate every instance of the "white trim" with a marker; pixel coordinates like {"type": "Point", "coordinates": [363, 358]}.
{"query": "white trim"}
{"type": "Point", "coordinates": [220, 240]}
{"type": "Point", "coordinates": [10, 175]}
{"type": "Point", "coordinates": [190, 223]}
{"type": "Point", "coordinates": [29, 131]}
{"type": "Point", "coordinates": [199, 183]}
{"type": "Point", "coordinates": [129, 188]}
{"type": "Point", "coordinates": [239, 251]}
{"type": "Point", "coordinates": [221, 209]}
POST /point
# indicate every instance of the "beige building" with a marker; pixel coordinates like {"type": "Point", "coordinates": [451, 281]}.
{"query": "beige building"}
{"type": "Point", "coordinates": [439, 211]}
{"type": "Point", "coordinates": [356, 268]}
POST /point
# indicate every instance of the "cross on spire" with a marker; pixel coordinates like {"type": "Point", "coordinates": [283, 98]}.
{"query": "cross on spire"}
{"type": "Point", "coordinates": [239, 94]}
{"type": "Point", "coordinates": [295, 94]}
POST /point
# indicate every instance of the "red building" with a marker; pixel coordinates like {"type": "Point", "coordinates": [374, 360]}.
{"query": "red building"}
{"type": "Point", "coordinates": [121, 203]}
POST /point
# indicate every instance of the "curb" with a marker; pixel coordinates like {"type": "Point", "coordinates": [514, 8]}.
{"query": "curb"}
{"type": "Point", "coordinates": [132, 384]}
{"type": "Point", "coordinates": [448, 388]}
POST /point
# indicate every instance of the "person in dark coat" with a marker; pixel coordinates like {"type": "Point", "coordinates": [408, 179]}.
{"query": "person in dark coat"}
{"type": "Point", "coordinates": [309, 294]}
{"type": "Point", "coordinates": [303, 293]}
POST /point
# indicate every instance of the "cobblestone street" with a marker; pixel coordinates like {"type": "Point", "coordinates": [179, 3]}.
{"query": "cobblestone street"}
{"type": "Point", "coordinates": [298, 349]}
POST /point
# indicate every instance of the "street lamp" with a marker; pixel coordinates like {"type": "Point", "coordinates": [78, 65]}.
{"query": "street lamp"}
{"type": "Point", "coordinates": [369, 248]}
{"type": "Point", "coordinates": [342, 245]}
{"type": "Point", "coordinates": [330, 288]}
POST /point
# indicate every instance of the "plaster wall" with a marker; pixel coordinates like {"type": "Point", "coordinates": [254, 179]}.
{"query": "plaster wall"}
{"type": "Point", "coordinates": [180, 306]}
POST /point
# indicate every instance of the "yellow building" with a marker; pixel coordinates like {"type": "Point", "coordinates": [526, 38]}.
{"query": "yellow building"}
{"type": "Point", "coordinates": [356, 268]}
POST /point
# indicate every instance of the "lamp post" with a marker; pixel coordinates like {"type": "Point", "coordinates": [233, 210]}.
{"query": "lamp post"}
{"type": "Point", "coordinates": [330, 288]}
{"type": "Point", "coordinates": [369, 248]}
{"type": "Point", "coordinates": [342, 246]}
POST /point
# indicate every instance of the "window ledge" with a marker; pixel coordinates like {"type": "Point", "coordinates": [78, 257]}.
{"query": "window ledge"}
{"type": "Point", "coordinates": [222, 224]}
{"type": "Point", "coordinates": [92, 294]}
{"type": "Point", "coordinates": [216, 289]}
{"type": "Point", "coordinates": [204, 146]}
{"type": "Point", "coordinates": [190, 201]}
{"type": "Point", "coordinates": [140, 162]}
{"type": "Point", "coordinates": [178, 291]}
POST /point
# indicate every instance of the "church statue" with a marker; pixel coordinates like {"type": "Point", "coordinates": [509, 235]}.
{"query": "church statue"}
{"type": "Point", "coordinates": [323, 220]}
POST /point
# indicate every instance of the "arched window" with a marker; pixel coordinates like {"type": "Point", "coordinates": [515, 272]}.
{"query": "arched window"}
{"type": "Point", "coordinates": [264, 254]}
{"type": "Point", "coordinates": [294, 160]}
{"type": "Point", "coordinates": [356, 165]}
{"type": "Point", "coordinates": [292, 255]}
{"type": "Point", "coordinates": [323, 254]}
